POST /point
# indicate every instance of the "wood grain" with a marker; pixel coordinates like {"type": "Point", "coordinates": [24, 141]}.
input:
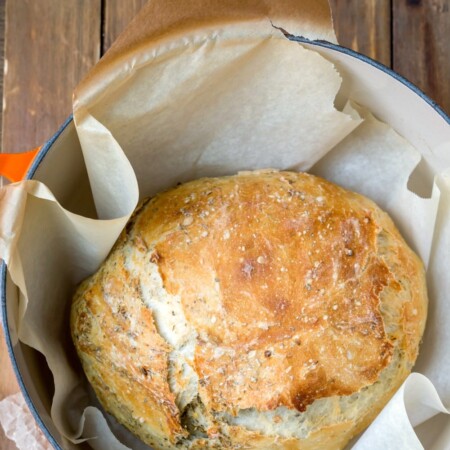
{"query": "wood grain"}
{"type": "Point", "coordinates": [2, 48]}
{"type": "Point", "coordinates": [46, 56]}
{"type": "Point", "coordinates": [116, 15]}
{"type": "Point", "coordinates": [421, 46]}
{"type": "Point", "coordinates": [364, 26]}
{"type": "Point", "coordinates": [8, 383]}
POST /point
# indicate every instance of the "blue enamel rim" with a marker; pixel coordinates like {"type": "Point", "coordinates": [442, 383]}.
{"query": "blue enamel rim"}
{"type": "Point", "coordinates": [48, 145]}
{"type": "Point", "coordinates": [32, 170]}
{"type": "Point", "coordinates": [22, 386]}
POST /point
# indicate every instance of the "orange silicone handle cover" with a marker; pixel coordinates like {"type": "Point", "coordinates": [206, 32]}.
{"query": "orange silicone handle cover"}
{"type": "Point", "coordinates": [14, 166]}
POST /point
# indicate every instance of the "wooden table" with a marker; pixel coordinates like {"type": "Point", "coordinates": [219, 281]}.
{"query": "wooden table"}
{"type": "Point", "coordinates": [51, 44]}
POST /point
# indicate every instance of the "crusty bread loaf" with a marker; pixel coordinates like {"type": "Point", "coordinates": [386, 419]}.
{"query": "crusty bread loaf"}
{"type": "Point", "coordinates": [268, 310]}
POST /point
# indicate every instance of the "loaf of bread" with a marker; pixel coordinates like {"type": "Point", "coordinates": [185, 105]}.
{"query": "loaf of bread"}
{"type": "Point", "coordinates": [270, 310]}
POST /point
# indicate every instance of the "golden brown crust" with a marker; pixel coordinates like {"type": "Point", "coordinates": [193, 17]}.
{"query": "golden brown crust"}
{"type": "Point", "coordinates": [295, 290]}
{"type": "Point", "coordinates": [302, 260]}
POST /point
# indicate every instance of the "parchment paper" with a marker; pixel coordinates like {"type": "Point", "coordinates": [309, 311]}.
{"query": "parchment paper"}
{"type": "Point", "coordinates": [211, 97]}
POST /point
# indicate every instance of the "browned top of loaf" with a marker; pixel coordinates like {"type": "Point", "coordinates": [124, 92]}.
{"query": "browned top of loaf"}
{"type": "Point", "coordinates": [280, 276]}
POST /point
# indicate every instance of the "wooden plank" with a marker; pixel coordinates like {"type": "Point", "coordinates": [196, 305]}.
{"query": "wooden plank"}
{"type": "Point", "coordinates": [364, 26]}
{"type": "Point", "coordinates": [116, 16]}
{"type": "Point", "coordinates": [8, 383]}
{"type": "Point", "coordinates": [46, 56]}
{"type": "Point", "coordinates": [421, 47]}
{"type": "Point", "coordinates": [2, 48]}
